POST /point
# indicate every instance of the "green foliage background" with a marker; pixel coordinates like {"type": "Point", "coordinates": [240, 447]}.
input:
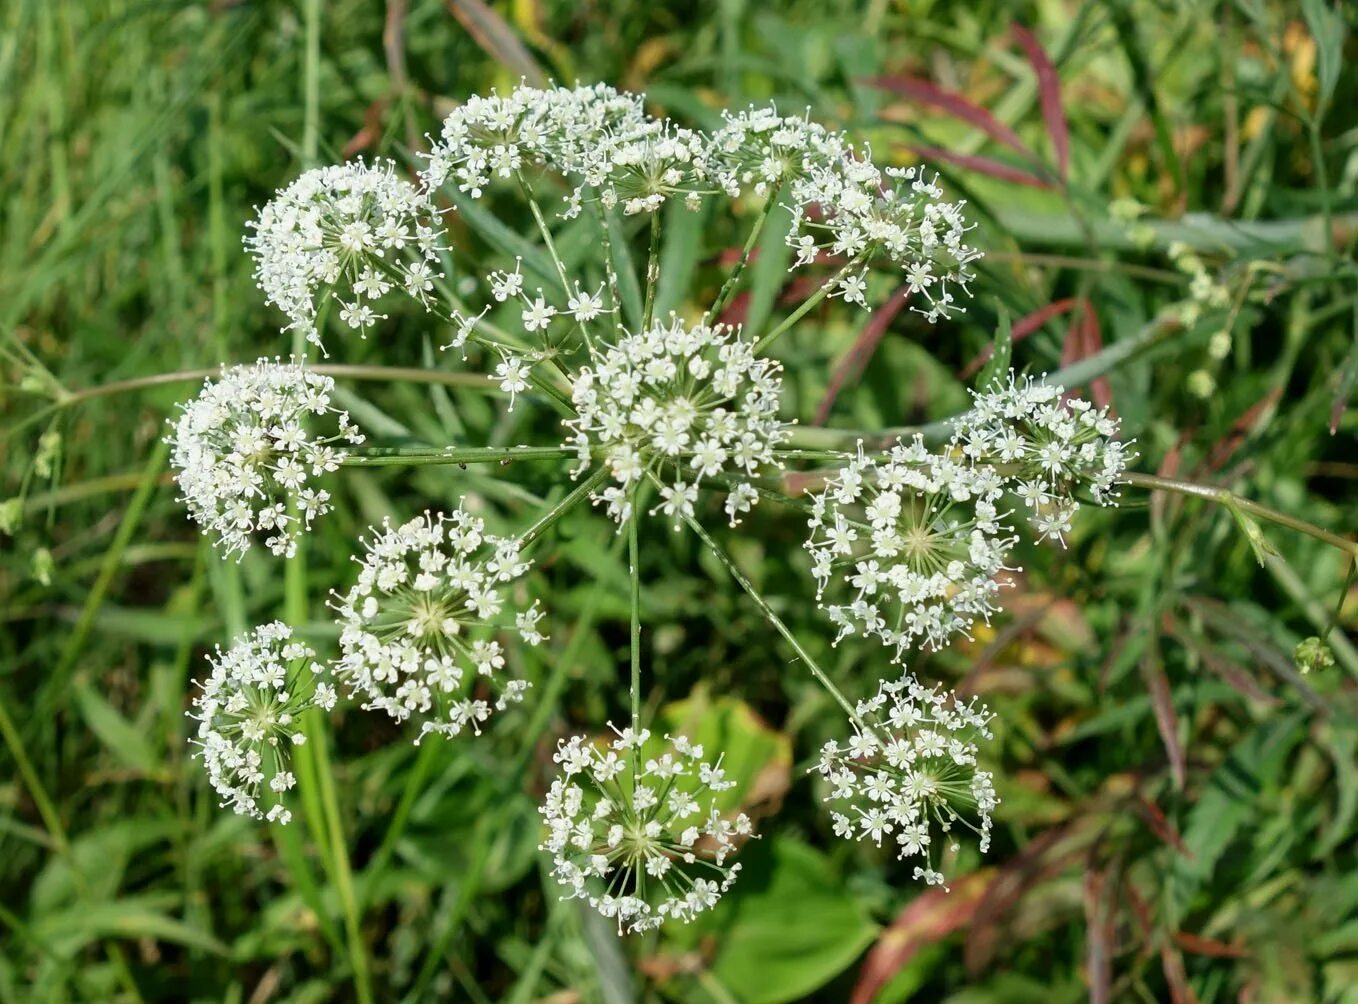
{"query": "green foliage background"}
{"type": "Point", "coordinates": [1179, 800]}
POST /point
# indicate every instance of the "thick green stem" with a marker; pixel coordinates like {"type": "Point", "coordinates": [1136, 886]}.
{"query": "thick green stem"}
{"type": "Point", "coordinates": [1222, 496]}
{"type": "Point", "coordinates": [728, 288]}
{"type": "Point", "coordinates": [775, 620]}
{"type": "Point", "coordinates": [652, 273]}
{"type": "Point", "coordinates": [820, 294]}
{"type": "Point", "coordinates": [634, 572]}
{"type": "Point", "coordinates": [420, 456]}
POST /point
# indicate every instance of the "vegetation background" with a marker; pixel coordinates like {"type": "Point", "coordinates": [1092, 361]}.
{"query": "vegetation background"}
{"type": "Point", "coordinates": [1179, 802]}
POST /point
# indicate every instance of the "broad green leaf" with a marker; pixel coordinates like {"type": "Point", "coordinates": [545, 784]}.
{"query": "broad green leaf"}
{"type": "Point", "coordinates": [787, 926]}
{"type": "Point", "coordinates": [1002, 350]}
{"type": "Point", "coordinates": [681, 245]}
{"type": "Point", "coordinates": [132, 919]}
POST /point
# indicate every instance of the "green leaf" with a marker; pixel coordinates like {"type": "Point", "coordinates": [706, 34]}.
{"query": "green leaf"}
{"type": "Point", "coordinates": [787, 926]}
{"type": "Point", "coordinates": [629, 288]}
{"type": "Point", "coordinates": [1327, 27]}
{"type": "Point", "coordinates": [503, 239]}
{"type": "Point", "coordinates": [123, 739]}
{"type": "Point", "coordinates": [769, 270]}
{"type": "Point", "coordinates": [132, 919]}
{"type": "Point", "coordinates": [1001, 351]}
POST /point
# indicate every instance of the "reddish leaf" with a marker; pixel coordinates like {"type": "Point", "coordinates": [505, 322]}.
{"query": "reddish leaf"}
{"type": "Point", "coordinates": [1141, 913]}
{"type": "Point", "coordinates": [1173, 964]}
{"type": "Point", "coordinates": [370, 133]}
{"type": "Point", "coordinates": [1021, 329]}
{"type": "Point", "coordinates": [851, 367]}
{"type": "Point", "coordinates": [985, 165]}
{"type": "Point", "coordinates": [1049, 93]}
{"type": "Point", "coordinates": [736, 310]}
{"type": "Point", "coordinates": [499, 41]}
{"type": "Point", "coordinates": [1098, 937]}
{"type": "Point", "coordinates": [1166, 721]}
{"type": "Point", "coordinates": [1160, 825]}
{"type": "Point", "coordinates": [1083, 339]}
{"type": "Point", "coordinates": [929, 918]}
{"type": "Point", "coordinates": [1240, 430]}
{"type": "Point", "coordinates": [917, 89]}
{"type": "Point", "coordinates": [1199, 945]}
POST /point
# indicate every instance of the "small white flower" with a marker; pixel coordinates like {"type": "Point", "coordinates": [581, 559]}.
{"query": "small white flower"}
{"type": "Point", "coordinates": [638, 835]}
{"type": "Point", "coordinates": [347, 230]}
{"type": "Point", "coordinates": [242, 452]}
{"type": "Point", "coordinates": [915, 540]}
{"type": "Point", "coordinates": [1053, 444]}
{"type": "Point", "coordinates": [420, 626]}
{"type": "Point", "coordinates": [249, 713]}
{"type": "Point", "coordinates": [909, 772]}
{"type": "Point", "coordinates": [679, 402]}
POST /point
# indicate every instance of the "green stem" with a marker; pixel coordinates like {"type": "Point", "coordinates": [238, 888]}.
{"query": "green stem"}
{"type": "Point", "coordinates": [809, 304]}
{"type": "Point", "coordinates": [611, 270]}
{"type": "Point", "coordinates": [548, 519]}
{"type": "Point", "coordinates": [421, 455]}
{"type": "Point", "coordinates": [652, 273]}
{"type": "Point", "coordinates": [46, 809]}
{"type": "Point", "coordinates": [320, 779]}
{"type": "Point", "coordinates": [775, 620]}
{"type": "Point", "coordinates": [634, 573]}
{"type": "Point", "coordinates": [728, 288]}
{"type": "Point", "coordinates": [1222, 496]}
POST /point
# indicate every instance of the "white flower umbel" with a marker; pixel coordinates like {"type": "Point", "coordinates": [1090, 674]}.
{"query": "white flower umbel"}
{"type": "Point", "coordinates": [757, 150]}
{"type": "Point", "coordinates": [679, 402]}
{"type": "Point", "coordinates": [491, 138]}
{"type": "Point", "coordinates": [636, 831]}
{"type": "Point", "coordinates": [349, 231]}
{"type": "Point", "coordinates": [249, 718]}
{"type": "Point", "coordinates": [909, 773]}
{"type": "Point", "coordinates": [853, 210]}
{"type": "Point", "coordinates": [1053, 446]}
{"type": "Point", "coordinates": [244, 454]}
{"type": "Point", "coordinates": [916, 541]}
{"type": "Point", "coordinates": [420, 627]}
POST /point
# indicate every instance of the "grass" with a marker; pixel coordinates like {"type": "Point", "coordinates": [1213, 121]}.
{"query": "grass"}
{"type": "Point", "coordinates": [1179, 792]}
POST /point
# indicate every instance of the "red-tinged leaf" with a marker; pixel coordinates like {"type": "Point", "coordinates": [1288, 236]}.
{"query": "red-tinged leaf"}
{"type": "Point", "coordinates": [1241, 428]}
{"type": "Point", "coordinates": [917, 89]}
{"type": "Point", "coordinates": [1141, 913]}
{"type": "Point", "coordinates": [929, 918]}
{"type": "Point", "coordinates": [1098, 937]}
{"type": "Point", "coordinates": [984, 165]}
{"type": "Point", "coordinates": [370, 132]}
{"type": "Point", "coordinates": [1021, 329]}
{"type": "Point", "coordinates": [494, 35]}
{"type": "Point", "coordinates": [1166, 720]}
{"type": "Point", "coordinates": [1199, 945]}
{"type": "Point", "coordinates": [1049, 854]}
{"type": "Point", "coordinates": [1236, 676]}
{"type": "Point", "coordinates": [1172, 962]}
{"type": "Point", "coordinates": [1049, 94]}
{"type": "Point", "coordinates": [1160, 825]}
{"type": "Point", "coordinates": [852, 365]}
{"type": "Point", "coordinates": [1083, 339]}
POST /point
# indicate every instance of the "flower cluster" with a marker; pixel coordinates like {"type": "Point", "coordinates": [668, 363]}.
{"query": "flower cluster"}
{"type": "Point", "coordinates": [918, 540]}
{"type": "Point", "coordinates": [352, 231]}
{"type": "Point", "coordinates": [678, 403]}
{"type": "Point", "coordinates": [601, 139]}
{"type": "Point", "coordinates": [249, 718]}
{"type": "Point", "coordinates": [243, 453]}
{"type": "Point", "coordinates": [1053, 444]}
{"type": "Point", "coordinates": [759, 150]}
{"type": "Point", "coordinates": [909, 770]}
{"type": "Point", "coordinates": [853, 210]}
{"type": "Point", "coordinates": [419, 626]}
{"type": "Point", "coordinates": [639, 836]}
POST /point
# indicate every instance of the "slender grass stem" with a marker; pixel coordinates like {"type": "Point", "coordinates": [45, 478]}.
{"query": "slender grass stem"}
{"type": "Point", "coordinates": [550, 518]}
{"type": "Point", "coordinates": [1222, 496]}
{"type": "Point", "coordinates": [317, 775]}
{"type": "Point", "coordinates": [728, 288]}
{"type": "Point", "coordinates": [808, 304]}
